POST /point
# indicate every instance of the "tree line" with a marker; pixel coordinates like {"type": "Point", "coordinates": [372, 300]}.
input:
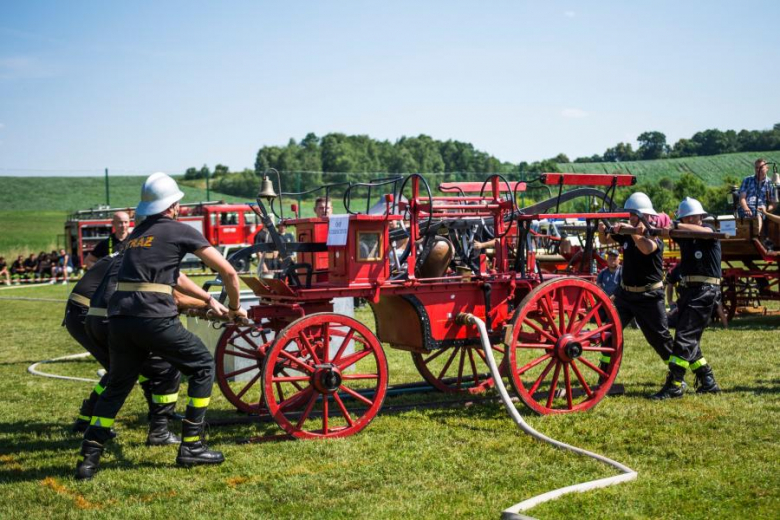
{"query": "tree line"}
{"type": "Point", "coordinates": [336, 157]}
{"type": "Point", "coordinates": [653, 145]}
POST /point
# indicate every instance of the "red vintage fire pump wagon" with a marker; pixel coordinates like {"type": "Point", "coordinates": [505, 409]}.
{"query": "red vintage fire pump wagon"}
{"type": "Point", "coordinates": [322, 374]}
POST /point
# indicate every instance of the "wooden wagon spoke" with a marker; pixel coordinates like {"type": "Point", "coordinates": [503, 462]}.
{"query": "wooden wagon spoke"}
{"type": "Point", "coordinates": [567, 382]}
{"type": "Point", "coordinates": [343, 409]}
{"type": "Point", "coordinates": [581, 379]}
{"type": "Point", "coordinates": [296, 360]}
{"type": "Point", "coordinates": [353, 358]}
{"type": "Point", "coordinates": [249, 385]}
{"type": "Point", "coordinates": [307, 410]}
{"type": "Point", "coordinates": [447, 364]}
{"type": "Point", "coordinates": [356, 395]}
{"type": "Point", "coordinates": [528, 366]}
{"type": "Point", "coordinates": [541, 377]}
{"type": "Point", "coordinates": [553, 385]}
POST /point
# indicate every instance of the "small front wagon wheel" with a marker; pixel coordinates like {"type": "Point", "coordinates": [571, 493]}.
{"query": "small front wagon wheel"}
{"type": "Point", "coordinates": [239, 361]}
{"type": "Point", "coordinates": [566, 346]}
{"type": "Point", "coordinates": [324, 376]}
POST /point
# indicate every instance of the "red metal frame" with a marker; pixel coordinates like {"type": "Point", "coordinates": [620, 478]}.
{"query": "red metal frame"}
{"type": "Point", "coordinates": [587, 179]}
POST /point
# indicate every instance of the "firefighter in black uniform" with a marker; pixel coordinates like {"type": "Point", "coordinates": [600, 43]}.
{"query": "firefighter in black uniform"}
{"type": "Point", "coordinates": [641, 291]}
{"type": "Point", "coordinates": [143, 319]}
{"type": "Point", "coordinates": [115, 241]}
{"type": "Point", "coordinates": [76, 311]}
{"type": "Point", "coordinates": [700, 270]}
{"type": "Point", "coordinates": [159, 379]}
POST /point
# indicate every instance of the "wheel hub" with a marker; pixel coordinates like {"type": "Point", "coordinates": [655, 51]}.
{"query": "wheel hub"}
{"type": "Point", "coordinates": [327, 378]}
{"type": "Point", "coordinates": [568, 348]}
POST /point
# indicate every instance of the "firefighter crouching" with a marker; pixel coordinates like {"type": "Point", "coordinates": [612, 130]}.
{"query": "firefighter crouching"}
{"type": "Point", "coordinates": [701, 274]}
{"type": "Point", "coordinates": [143, 319]}
{"type": "Point", "coordinates": [85, 319]}
{"type": "Point", "coordinates": [641, 291]}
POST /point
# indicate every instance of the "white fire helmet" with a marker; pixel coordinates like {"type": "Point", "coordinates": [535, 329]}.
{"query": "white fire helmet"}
{"type": "Point", "coordinates": [640, 202]}
{"type": "Point", "coordinates": [157, 194]}
{"type": "Point", "coordinates": [689, 207]}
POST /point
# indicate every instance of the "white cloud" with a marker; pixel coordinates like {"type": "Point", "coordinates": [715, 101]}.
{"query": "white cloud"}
{"type": "Point", "coordinates": [569, 14]}
{"type": "Point", "coordinates": [574, 113]}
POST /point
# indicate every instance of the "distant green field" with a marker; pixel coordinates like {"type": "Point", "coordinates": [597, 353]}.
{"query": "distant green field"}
{"type": "Point", "coordinates": [33, 210]}
{"type": "Point", "coordinates": [712, 169]}
{"type": "Point", "coordinates": [25, 232]}
{"type": "Point", "coordinates": [74, 193]}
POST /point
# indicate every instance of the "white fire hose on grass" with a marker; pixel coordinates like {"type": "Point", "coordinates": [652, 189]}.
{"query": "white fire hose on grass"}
{"type": "Point", "coordinates": [513, 513]}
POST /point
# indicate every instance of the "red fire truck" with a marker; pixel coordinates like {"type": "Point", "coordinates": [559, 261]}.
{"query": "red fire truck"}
{"type": "Point", "coordinates": [226, 226]}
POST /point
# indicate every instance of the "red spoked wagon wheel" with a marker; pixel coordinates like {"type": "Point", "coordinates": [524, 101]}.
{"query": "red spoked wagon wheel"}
{"type": "Point", "coordinates": [325, 375]}
{"type": "Point", "coordinates": [562, 333]}
{"type": "Point", "coordinates": [239, 362]}
{"type": "Point", "coordinates": [457, 369]}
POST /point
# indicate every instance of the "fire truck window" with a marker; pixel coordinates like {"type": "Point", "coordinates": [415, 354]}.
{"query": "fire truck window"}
{"type": "Point", "coordinates": [213, 217]}
{"type": "Point", "coordinates": [250, 218]}
{"type": "Point", "coordinates": [229, 219]}
{"type": "Point", "coordinates": [369, 247]}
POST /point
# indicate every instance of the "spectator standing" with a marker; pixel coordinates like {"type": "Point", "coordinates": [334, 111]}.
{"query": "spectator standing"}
{"type": "Point", "coordinates": [4, 271]}
{"type": "Point", "coordinates": [115, 241]}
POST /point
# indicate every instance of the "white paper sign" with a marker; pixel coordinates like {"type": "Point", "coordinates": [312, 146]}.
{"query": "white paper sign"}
{"type": "Point", "coordinates": [728, 227]}
{"type": "Point", "coordinates": [338, 227]}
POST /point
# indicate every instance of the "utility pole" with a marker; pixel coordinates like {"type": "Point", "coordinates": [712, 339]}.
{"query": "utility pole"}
{"type": "Point", "coordinates": [108, 201]}
{"type": "Point", "coordinates": [208, 187]}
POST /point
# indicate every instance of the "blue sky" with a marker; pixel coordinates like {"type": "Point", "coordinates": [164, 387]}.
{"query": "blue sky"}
{"type": "Point", "coordinates": [145, 86]}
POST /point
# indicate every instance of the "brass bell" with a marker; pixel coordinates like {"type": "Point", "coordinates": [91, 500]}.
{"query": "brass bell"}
{"type": "Point", "coordinates": [267, 189]}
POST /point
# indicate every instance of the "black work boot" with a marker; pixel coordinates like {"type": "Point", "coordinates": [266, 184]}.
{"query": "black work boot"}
{"type": "Point", "coordinates": [674, 386]}
{"type": "Point", "coordinates": [705, 381]}
{"type": "Point", "coordinates": [88, 465]}
{"type": "Point", "coordinates": [159, 434]}
{"type": "Point", "coordinates": [193, 449]}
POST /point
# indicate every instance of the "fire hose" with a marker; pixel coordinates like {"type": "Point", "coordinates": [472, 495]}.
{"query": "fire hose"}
{"type": "Point", "coordinates": [513, 512]}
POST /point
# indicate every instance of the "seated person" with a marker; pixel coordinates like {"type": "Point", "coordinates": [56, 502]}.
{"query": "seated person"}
{"type": "Point", "coordinates": [31, 266]}
{"type": "Point", "coordinates": [4, 274]}
{"type": "Point", "coordinates": [17, 269]}
{"type": "Point", "coordinates": [44, 266]}
{"type": "Point", "coordinates": [63, 267]}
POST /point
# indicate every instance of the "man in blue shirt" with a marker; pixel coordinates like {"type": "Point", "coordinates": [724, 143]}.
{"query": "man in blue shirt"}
{"type": "Point", "coordinates": [756, 192]}
{"type": "Point", "coordinates": [609, 277]}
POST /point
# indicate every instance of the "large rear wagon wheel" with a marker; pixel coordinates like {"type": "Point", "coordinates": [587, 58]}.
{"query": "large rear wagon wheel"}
{"type": "Point", "coordinates": [239, 362]}
{"type": "Point", "coordinates": [562, 334]}
{"type": "Point", "coordinates": [324, 376]}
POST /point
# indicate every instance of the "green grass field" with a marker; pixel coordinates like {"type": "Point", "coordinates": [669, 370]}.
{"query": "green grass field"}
{"type": "Point", "coordinates": [700, 457]}
{"type": "Point", "coordinates": [711, 169]}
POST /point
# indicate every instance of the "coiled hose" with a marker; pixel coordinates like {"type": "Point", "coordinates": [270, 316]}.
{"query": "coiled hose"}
{"type": "Point", "coordinates": [513, 513]}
